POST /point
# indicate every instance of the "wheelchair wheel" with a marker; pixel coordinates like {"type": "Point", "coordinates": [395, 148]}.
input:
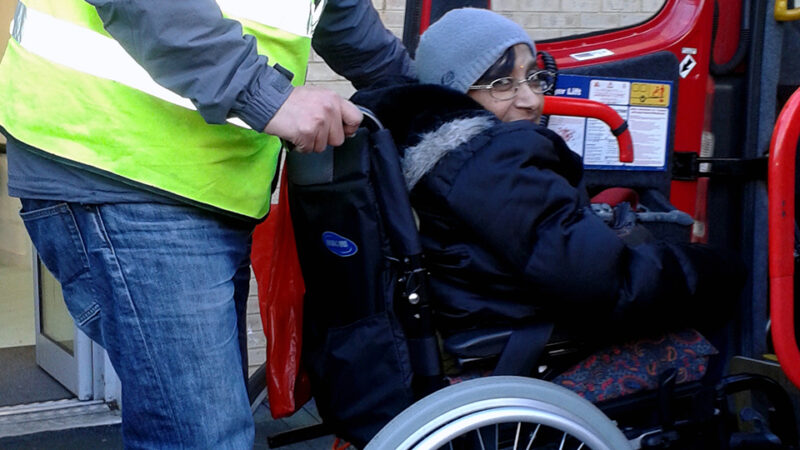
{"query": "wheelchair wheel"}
{"type": "Point", "coordinates": [496, 413]}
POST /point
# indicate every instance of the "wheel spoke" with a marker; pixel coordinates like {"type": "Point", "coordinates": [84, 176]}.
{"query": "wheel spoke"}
{"type": "Point", "coordinates": [516, 437]}
{"type": "Point", "coordinates": [563, 441]}
{"type": "Point", "coordinates": [533, 436]}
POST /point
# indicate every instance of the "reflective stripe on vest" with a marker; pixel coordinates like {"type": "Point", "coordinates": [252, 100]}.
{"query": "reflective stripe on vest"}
{"type": "Point", "coordinates": [72, 91]}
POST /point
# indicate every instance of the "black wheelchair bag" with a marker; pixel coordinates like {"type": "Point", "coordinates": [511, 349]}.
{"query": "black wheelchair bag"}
{"type": "Point", "coordinates": [359, 253]}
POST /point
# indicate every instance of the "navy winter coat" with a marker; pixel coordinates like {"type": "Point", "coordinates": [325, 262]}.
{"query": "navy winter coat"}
{"type": "Point", "coordinates": [508, 232]}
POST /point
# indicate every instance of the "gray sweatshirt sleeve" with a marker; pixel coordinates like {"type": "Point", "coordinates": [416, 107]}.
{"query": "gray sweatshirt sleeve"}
{"type": "Point", "coordinates": [353, 41]}
{"type": "Point", "coordinates": [190, 49]}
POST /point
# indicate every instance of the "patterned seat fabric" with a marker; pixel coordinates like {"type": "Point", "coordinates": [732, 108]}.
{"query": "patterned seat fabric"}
{"type": "Point", "coordinates": [634, 366]}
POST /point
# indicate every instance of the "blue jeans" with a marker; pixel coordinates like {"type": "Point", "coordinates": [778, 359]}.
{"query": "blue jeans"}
{"type": "Point", "coordinates": [163, 288]}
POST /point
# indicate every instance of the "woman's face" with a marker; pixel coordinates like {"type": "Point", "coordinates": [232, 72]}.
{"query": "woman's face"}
{"type": "Point", "coordinates": [526, 105]}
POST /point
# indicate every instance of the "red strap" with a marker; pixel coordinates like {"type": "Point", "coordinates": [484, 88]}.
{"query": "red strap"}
{"type": "Point", "coordinates": [617, 195]}
{"type": "Point", "coordinates": [339, 444]}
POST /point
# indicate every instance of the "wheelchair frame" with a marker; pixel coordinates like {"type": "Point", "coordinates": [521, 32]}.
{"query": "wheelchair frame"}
{"type": "Point", "coordinates": [434, 420]}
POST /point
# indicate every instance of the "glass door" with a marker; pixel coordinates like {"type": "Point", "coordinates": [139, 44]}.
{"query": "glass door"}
{"type": "Point", "coordinates": [62, 350]}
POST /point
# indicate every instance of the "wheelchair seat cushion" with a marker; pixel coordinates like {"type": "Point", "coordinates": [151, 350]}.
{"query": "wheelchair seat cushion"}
{"type": "Point", "coordinates": [634, 366]}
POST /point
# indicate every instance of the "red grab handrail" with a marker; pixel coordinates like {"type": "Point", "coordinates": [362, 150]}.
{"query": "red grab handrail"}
{"type": "Point", "coordinates": [781, 236]}
{"type": "Point", "coordinates": [564, 106]}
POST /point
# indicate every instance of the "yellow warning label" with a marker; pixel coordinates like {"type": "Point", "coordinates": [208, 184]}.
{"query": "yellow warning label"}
{"type": "Point", "coordinates": [649, 94]}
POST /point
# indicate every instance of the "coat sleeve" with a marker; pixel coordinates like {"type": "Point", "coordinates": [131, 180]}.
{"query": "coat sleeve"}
{"type": "Point", "coordinates": [189, 48]}
{"type": "Point", "coordinates": [519, 194]}
{"type": "Point", "coordinates": [353, 41]}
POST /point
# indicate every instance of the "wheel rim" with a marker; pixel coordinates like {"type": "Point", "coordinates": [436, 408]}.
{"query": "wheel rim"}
{"type": "Point", "coordinates": [468, 418]}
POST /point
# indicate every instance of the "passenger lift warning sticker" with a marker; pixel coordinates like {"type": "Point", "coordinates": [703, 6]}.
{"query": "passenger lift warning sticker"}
{"type": "Point", "coordinates": [644, 104]}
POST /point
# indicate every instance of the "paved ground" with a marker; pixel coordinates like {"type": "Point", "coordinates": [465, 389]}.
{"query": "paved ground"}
{"type": "Point", "coordinates": [23, 382]}
{"type": "Point", "coordinates": [108, 437]}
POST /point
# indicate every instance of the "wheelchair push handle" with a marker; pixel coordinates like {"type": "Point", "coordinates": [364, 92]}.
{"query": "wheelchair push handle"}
{"type": "Point", "coordinates": [370, 121]}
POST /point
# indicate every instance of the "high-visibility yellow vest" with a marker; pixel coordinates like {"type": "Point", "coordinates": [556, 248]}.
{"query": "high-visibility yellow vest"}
{"type": "Point", "coordinates": [71, 90]}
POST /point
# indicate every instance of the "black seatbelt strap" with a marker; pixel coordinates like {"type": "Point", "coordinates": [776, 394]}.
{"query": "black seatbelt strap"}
{"type": "Point", "coordinates": [523, 349]}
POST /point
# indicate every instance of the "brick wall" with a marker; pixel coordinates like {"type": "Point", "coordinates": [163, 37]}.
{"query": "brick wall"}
{"type": "Point", "coordinates": [256, 340]}
{"type": "Point", "coordinates": [547, 19]}
{"type": "Point", "coordinates": [544, 19]}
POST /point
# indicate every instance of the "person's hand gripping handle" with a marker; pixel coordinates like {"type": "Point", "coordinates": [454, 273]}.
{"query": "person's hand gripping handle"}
{"type": "Point", "coordinates": [313, 118]}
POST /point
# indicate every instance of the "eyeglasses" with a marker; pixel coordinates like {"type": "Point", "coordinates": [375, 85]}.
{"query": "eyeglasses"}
{"type": "Point", "coordinates": [506, 88]}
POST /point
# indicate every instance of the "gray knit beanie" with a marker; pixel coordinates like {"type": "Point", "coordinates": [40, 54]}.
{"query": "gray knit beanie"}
{"type": "Point", "coordinates": [461, 46]}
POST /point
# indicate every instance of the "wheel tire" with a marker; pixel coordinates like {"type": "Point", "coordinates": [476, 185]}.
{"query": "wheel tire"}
{"type": "Point", "coordinates": [473, 404]}
{"type": "Point", "coordinates": [257, 387]}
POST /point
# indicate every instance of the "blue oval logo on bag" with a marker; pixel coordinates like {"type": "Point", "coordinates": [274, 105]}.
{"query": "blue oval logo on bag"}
{"type": "Point", "coordinates": [339, 245]}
